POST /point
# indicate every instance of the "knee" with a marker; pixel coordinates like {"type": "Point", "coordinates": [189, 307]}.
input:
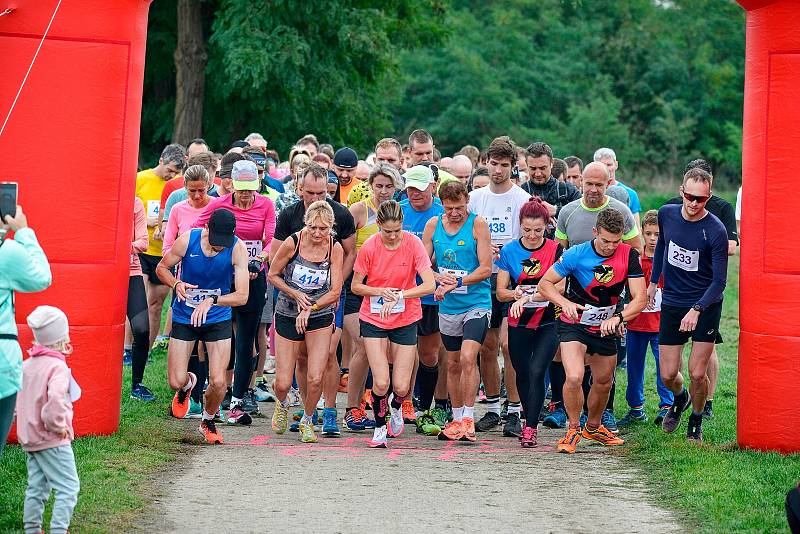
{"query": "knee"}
{"type": "Point", "coordinates": [400, 391]}
{"type": "Point", "coordinates": [217, 384]}
{"type": "Point", "coordinates": [429, 359]}
{"type": "Point", "coordinates": [176, 380]}
{"type": "Point", "coordinates": [380, 385]}
{"type": "Point", "coordinates": [573, 380]}
{"type": "Point", "coordinates": [282, 384]}
{"type": "Point", "coordinates": [602, 383]}
{"type": "Point", "coordinates": [698, 376]}
{"type": "Point", "coordinates": [314, 379]}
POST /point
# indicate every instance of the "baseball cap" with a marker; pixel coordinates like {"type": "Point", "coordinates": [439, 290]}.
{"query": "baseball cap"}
{"type": "Point", "coordinates": [245, 176]}
{"type": "Point", "coordinates": [221, 227]}
{"type": "Point", "coordinates": [332, 178]}
{"type": "Point", "coordinates": [346, 158]}
{"type": "Point", "coordinates": [260, 158]}
{"type": "Point", "coordinates": [240, 144]}
{"type": "Point", "coordinates": [418, 177]}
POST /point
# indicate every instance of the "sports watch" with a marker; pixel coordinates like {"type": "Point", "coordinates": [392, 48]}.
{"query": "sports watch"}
{"type": "Point", "coordinates": [698, 308]}
{"type": "Point", "coordinates": [214, 298]}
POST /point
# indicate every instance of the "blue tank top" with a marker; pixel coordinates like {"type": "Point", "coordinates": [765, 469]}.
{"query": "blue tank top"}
{"type": "Point", "coordinates": [458, 255]}
{"type": "Point", "coordinates": [414, 221]}
{"type": "Point", "coordinates": [214, 273]}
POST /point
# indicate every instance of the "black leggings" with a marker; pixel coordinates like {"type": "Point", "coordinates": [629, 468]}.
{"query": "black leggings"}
{"type": "Point", "coordinates": [246, 330]}
{"type": "Point", "coordinates": [531, 352]}
{"type": "Point", "coordinates": [140, 326]}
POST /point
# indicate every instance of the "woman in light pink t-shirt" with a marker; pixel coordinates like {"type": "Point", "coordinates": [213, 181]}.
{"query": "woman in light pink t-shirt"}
{"type": "Point", "coordinates": [185, 213]}
{"type": "Point", "coordinates": [385, 275]}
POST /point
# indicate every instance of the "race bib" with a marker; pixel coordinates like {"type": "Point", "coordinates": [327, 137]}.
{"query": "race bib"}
{"type": "Point", "coordinates": [376, 303]}
{"type": "Point", "coordinates": [532, 290]}
{"type": "Point", "coordinates": [456, 273]}
{"type": "Point", "coordinates": [195, 296]}
{"type": "Point", "coordinates": [500, 227]}
{"type": "Point", "coordinates": [153, 207]}
{"type": "Point", "coordinates": [593, 316]}
{"type": "Point", "coordinates": [679, 257]}
{"type": "Point", "coordinates": [254, 248]}
{"type": "Point", "coordinates": [307, 278]}
{"type": "Point", "coordinates": [657, 303]}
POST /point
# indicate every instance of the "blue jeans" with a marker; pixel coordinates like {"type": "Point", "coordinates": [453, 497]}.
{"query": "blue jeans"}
{"type": "Point", "coordinates": [637, 351]}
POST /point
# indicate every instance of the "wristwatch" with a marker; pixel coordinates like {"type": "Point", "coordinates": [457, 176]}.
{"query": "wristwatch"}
{"type": "Point", "coordinates": [698, 308]}
{"type": "Point", "coordinates": [214, 298]}
{"type": "Point", "coordinates": [314, 307]}
{"type": "Point", "coordinates": [619, 314]}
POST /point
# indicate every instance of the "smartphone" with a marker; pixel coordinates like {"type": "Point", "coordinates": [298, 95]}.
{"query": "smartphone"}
{"type": "Point", "coordinates": [8, 199]}
{"type": "Point", "coordinates": [515, 173]}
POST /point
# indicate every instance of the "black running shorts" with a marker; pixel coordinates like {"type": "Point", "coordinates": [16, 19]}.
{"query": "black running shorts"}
{"type": "Point", "coordinates": [404, 335]}
{"type": "Point", "coordinates": [595, 344]}
{"type": "Point", "coordinates": [207, 332]}
{"type": "Point", "coordinates": [706, 331]}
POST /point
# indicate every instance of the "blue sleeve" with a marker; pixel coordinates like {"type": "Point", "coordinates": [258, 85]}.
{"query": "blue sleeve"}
{"type": "Point", "coordinates": [719, 269]}
{"type": "Point", "coordinates": [276, 185]}
{"type": "Point", "coordinates": [566, 264]}
{"type": "Point", "coordinates": [171, 201]}
{"type": "Point", "coordinates": [658, 256]}
{"type": "Point", "coordinates": [635, 206]}
{"type": "Point", "coordinates": [502, 262]}
{"type": "Point", "coordinates": [24, 265]}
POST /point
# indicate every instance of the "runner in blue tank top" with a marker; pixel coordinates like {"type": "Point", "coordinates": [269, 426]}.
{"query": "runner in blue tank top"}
{"type": "Point", "coordinates": [209, 258]}
{"type": "Point", "coordinates": [418, 209]}
{"type": "Point", "coordinates": [460, 243]}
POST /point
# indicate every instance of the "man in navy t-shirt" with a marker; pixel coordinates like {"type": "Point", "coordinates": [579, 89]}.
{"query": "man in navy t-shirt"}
{"type": "Point", "coordinates": [692, 254]}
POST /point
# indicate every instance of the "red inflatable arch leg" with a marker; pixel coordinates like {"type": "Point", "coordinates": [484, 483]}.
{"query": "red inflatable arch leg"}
{"type": "Point", "coordinates": [72, 142]}
{"type": "Point", "coordinates": [769, 345]}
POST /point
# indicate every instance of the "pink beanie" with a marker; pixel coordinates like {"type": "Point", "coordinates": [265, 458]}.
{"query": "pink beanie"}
{"type": "Point", "coordinates": [49, 325]}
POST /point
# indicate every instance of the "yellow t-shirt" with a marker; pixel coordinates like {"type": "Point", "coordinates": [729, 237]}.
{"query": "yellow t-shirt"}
{"type": "Point", "coordinates": [148, 188]}
{"type": "Point", "coordinates": [360, 192]}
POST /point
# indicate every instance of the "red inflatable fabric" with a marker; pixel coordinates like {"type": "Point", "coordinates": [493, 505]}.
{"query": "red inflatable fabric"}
{"type": "Point", "coordinates": [72, 142]}
{"type": "Point", "coordinates": [768, 411]}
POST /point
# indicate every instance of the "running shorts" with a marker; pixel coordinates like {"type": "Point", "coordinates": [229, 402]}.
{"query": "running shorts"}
{"type": "Point", "coordinates": [404, 335]}
{"type": "Point", "coordinates": [149, 264]}
{"type": "Point", "coordinates": [429, 324]}
{"type": "Point", "coordinates": [595, 343]}
{"type": "Point", "coordinates": [457, 327]}
{"type": "Point", "coordinates": [286, 328]}
{"type": "Point", "coordinates": [706, 331]}
{"type": "Point", "coordinates": [208, 332]}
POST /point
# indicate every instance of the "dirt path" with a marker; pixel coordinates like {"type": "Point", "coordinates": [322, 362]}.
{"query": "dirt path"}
{"type": "Point", "coordinates": [261, 482]}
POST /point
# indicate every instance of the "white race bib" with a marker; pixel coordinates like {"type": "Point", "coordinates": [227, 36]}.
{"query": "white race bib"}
{"type": "Point", "coordinates": [254, 248]}
{"type": "Point", "coordinates": [376, 303]}
{"type": "Point", "coordinates": [195, 296]}
{"type": "Point", "coordinates": [307, 278]}
{"type": "Point", "coordinates": [457, 274]}
{"type": "Point", "coordinates": [500, 228]}
{"type": "Point", "coordinates": [153, 207]}
{"type": "Point", "coordinates": [532, 290]}
{"type": "Point", "coordinates": [593, 316]}
{"type": "Point", "coordinates": [679, 257]}
{"type": "Point", "coordinates": [656, 305]}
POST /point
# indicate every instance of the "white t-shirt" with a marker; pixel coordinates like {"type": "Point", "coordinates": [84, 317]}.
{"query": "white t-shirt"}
{"type": "Point", "coordinates": [739, 205]}
{"type": "Point", "coordinates": [500, 211]}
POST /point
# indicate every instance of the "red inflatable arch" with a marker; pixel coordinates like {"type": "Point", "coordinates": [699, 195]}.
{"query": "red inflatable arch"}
{"type": "Point", "coordinates": [71, 141]}
{"type": "Point", "coordinates": [769, 345]}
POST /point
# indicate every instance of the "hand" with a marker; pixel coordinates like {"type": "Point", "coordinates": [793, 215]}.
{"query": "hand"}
{"type": "Point", "coordinates": [651, 295]}
{"type": "Point", "coordinates": [550, 208]}
{"type": "Point", "coordinates": [496, 250]}
{"type": "Point", "coordinates": [302, 300]}
{"type": "Point", "coordinates": [519, 292]}
{"type": "Point", "coordinates": [689, 321]}
{"type": "Point", "coordinates": [200, 313]}
{"type": "Point", "coordinates": [63, 433]}
{"type": "Point", "coordinates": [516, 309]}
{"type": "Point", "coordinates": [386, 309]}
{"type": "Point", "coordinates": [252, 275]}
{"type": "Point", "coordinates": [158, 234]}
{"type": "Point", "coordinates": [301, 323]}
{"type": "Point", "coordinates": [443, 290]}
{"type": "Point", "coordinates": [610, 325]}
{"type": "Point", "coordinates": [445, 278]}
{"type": "Point", "coordinates": [390, 294]}
{"type": "Point", "coordinates": [571, 310]}
{"type": "Point", "coordinates": [18, 222]}
{"type": "Point", "coordinates": [180, 290]}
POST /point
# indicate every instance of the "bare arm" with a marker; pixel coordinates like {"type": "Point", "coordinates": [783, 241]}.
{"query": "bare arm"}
{"type": "Point", "coordinates": [426, 287]}
{"type": "Point", "coordinates": [480, 232]}
{"type": "Point", "coordinates": [349, 249]}
{"type": "Point", "coordinates": [172, 258]}
{"type": "Point", "coordinates": [332, 296]}
{"type": "Point", "coordinates": [276, 267]}
{"type": "Point", "coordinates": [360, 288]}
{"type": "Point", "coordinates": [504, 294]}
{"type": "Point", "coordinates": [636, 243]}
{"type": "Point", "coordinates": [241, 278]}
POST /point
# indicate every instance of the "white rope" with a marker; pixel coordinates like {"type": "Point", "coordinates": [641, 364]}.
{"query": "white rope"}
{"type": "Point", "coordinates": [30, 67]}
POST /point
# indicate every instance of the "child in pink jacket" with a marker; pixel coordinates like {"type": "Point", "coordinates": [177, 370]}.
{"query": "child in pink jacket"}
{"type": "Point", "coordinates": [44, 422]}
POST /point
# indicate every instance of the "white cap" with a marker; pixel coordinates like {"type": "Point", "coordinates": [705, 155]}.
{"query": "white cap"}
{"type": "Point", "coordinates": [49, 325]}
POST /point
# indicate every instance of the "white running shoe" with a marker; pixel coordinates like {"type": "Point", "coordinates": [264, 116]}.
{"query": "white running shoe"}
{"type": "Point", "coordinates": [294, 397]}
{"type": "Point", "coordinates": [395, 424]}
{"type": "Point", "coordinates": [378, 438]}
{"type": "Point", "coordinates": [263, 392]}
{"type": "Point", "coordinates": [321, 403]}
{"type": "Point", "coordinates": [269, 365]}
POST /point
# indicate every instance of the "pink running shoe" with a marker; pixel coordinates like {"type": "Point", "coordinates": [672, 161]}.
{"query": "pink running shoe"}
{"type": "Point", "coordinates": [528, 438]}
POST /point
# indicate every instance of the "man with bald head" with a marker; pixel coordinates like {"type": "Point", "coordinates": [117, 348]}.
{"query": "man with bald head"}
{"type": "Point", "coordinates": [461, 168]}
{"type": "Point", "coordinates": [446, 163]}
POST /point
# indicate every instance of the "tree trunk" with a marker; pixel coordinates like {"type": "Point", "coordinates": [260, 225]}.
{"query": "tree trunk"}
{"type": "Point", "coordinates": [190, 76]}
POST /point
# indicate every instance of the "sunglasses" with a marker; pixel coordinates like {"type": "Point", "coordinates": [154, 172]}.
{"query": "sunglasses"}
{"type": "Point", "coordinates": [695, 198]}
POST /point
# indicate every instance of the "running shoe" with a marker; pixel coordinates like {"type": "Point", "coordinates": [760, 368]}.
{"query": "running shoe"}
{"type": "Point", "coordinates": [127, 357]}
{"type": "Point", "coordinates": [556, 419]}
{"type": "Point", "coordinates": [468, 429]}
{"type": "Point", "coordinates": [504, 410]}
{"type": "Point", "coordinates": [662, 412]}
{"type": "Point", "coordinates": [608, 420]}
{"type": "Point", "coordinates": [582, 420]}
{"type": "Point", "coordinates": [409, 416]}
{"type": "Point", "coordinates": [307, 434]}
{"type": "Point", "coordinates": [280, 418]}
{"type": "Point", "coordinates": [180, 402]}
{"type": "Point", "coordinates": [602, 435]}
{"type": "Point", "coordinates": [295, 427]}
{"type": "Point", "coordinates": [513, 426]}
{"type": "Point", "coordinates": [352, 420]}
{"type": "Point", "coordinates": [218, 418]}
{"type": "Point", "coordinates": [294, 397]}
{"type": "Point", "coordinates": [238, 416]}
{"type": "Point", "coordinates": [549, 394]}
{"type": "Point", "coordinates": [396, 424]}
{"type": "Point", "coordinates": [440, 417]}
{"type": "Point", "coordinates": [321, 402]}
{"type": "Point", "coordinates": [226, 400]}
{"type": "Point", "coordinates": [263, 393]}
{"type": "Point", "coordinates": [453, 431]}
{"type": "Point", "coordinates": [249, 403]}
{"type": "Point", "coordinates": [569, 442]}
{"type": "Point", "coordinates": [528, 438]}
{"type": "Point", "coordinates": [343, 381]}
{"type": "Point", "coordinates": [368, 423]}
{"type": "Point", "coordinates": [140, 392]}
{"type": "Point", "coordinates": [633, 417]}
{"type": "Point", "coordinates": [708, 411]}
{"type": "Point", "coordinates": [378, 438]}
{"type": "Point", "coordinates": [673, 417]}
{"type": "Point", "coordinates": [209, 431]}
{"type": "Point", "coordinates": [269, 365]}
{"type": "Point", "coordinates": [195, 410]}
{"type": "Point", "coordinates": [694, 431]}
{"type": "Point", "coordinates": [330, 428]}
{"type": "Point", "coordinates": [425, 418]}
{"type": "Point", "coordinates": [487, 422]}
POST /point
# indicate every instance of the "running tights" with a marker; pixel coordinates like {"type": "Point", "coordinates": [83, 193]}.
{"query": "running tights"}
{"type": "Point", "coordinates": [246, 331]}
{"type": "Point", "coordinates": [140, 326]}
{"type": "Point", "coordinates": [531, 352]}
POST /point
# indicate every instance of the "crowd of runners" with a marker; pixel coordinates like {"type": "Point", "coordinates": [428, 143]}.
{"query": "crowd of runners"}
{"type": "Point", "coordinates": [419, 285]}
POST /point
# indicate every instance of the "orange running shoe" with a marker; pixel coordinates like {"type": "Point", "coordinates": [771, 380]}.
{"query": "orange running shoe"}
{"type": "Point", "coordinates": [209, 431]}
{"type": "Point", "coordinates": [603, 435]}
{"type": "Point", "coordinates": [468, 427]}
{"type": "Point", "coordinates": [453, 431]}
{"type": "Point", "coordinates": [569, 443]}
{"type": "Point", "coordinates": [343, 381]}
{"type": "Point", "coordinates": [409, 416]}
{"type": "Point", "coordinates": [180, 402]}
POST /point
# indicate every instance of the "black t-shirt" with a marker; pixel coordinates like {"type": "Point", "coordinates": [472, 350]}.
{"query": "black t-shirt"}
{"type": "Point", "coordinates": [290, 220]}
{"type": "Point", "coordinates": [722, 210]}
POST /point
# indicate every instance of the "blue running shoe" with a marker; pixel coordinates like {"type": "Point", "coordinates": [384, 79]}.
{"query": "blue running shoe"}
{"type": "Point", "coordinates": [127, 357]}
{"type": "Point", "coordinates": [583, 419]}
{"type": "Point", "coordinates": [662, 413]}
{"type": "Point", "coordinates": [633, 417]}
{"type": "Point", "coordinates": [295, 427]}
{"type": "Point", "coordinates": [609, 421]}
{"type": "Point", "coordinates": [353, 421]}
{"type": "Point", "coordinates": [556, 419]}
{"type": "Point", "coordinates": [139, 392]}
{"type": "Point", "coordinates": [330, 429]}
{"type": "Point", "coordinates": [366, 421]}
